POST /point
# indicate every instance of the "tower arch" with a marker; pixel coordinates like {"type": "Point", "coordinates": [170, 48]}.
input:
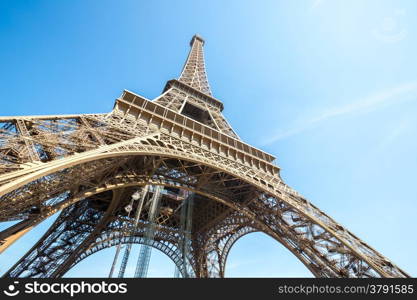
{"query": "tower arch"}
{"type": "Point", "coordinates": [181, 140]}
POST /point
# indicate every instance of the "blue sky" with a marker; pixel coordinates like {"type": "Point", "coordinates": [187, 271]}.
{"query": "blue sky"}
{"type": "Point", "coordinates": [328, 86]}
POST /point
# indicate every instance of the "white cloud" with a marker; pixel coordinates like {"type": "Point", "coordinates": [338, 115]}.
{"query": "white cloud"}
{"type": "Point", "coordinates": [317, 3]}
{"type": "Point", "coordinates": [402, 92]}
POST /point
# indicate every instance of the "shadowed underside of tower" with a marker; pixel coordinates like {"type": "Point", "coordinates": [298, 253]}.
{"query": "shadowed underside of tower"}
{"type": "Point", "coordinates": [170, 174]}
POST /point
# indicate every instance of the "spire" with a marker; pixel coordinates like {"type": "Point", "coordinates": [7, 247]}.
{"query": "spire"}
{"type": "Point", "coordinates": [194, 71]}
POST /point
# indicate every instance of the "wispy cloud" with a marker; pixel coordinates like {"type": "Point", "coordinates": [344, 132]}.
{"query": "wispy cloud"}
{"type": "Point", "coordinates": [240, 263]}
{"type": "Point", "coordinates": [392, 135]}
{"type": "Point", "coordinates": [316, 3]}
{"type": "Point", "coordinates": [402, 92]}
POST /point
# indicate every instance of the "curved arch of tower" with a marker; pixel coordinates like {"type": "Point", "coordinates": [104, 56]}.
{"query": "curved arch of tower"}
{"type": "Point", "coordinates": [176, 153]}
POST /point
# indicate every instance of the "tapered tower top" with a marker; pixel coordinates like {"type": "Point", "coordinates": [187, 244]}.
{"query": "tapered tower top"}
{"type": "Point", "coordinates": [194, 71]}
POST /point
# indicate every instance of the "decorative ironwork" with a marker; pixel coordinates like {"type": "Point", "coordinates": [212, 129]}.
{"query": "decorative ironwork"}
{"type": "Point", "coordinates": [88, 166]}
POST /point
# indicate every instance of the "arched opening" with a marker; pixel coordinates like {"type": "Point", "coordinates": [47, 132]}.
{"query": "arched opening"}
{"type": "Point", "coordinates": [99, 264]}
{"type": "Point", "coordinates": [259, 255]}
{"type": "Point", "coordinates": [180, 170]}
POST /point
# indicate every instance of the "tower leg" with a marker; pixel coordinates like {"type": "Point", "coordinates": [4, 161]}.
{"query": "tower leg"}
{"type": "Point", "coordinates": [107, 217]}
{"type": "Point", "coordinates": [72, 226]}
{"type": "Point", "coordinates": [14, 232]}
{"type": "Point", "coordinates": [71, 233]}
{"type": "Point", "coordinates": [221, 238]}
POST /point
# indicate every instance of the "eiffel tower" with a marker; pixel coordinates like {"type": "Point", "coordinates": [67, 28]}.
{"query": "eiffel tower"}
{"type": "Point", "coordinates": [168, 173]}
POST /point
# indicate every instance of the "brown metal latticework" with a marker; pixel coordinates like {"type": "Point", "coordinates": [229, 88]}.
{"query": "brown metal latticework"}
{"type": "Point", "coordinates": [87, 167]}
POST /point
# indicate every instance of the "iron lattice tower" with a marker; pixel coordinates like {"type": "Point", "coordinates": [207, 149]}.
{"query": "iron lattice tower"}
{"type": "Point", "coordinates": [87, 166]}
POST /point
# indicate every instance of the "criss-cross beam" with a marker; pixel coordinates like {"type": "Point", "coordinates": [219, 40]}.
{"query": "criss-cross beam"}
{"type": "Point", "coordinates": [107, 217]}
{"type": "Point", "coordinates": [179, 140]}
{"type": "Point", "coordinates": [71, 228]}
{"type": "Point", "coordinates": [65, 244]}
{"type": "Point", "coordinates": [289, 226]}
